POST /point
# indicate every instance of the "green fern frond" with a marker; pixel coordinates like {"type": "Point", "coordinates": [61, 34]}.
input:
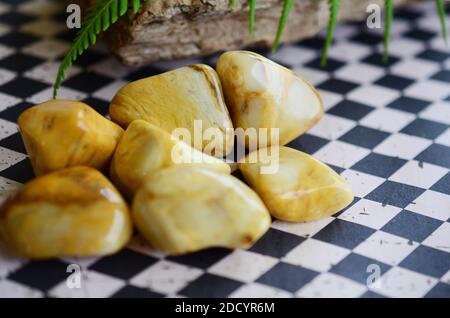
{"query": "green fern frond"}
{"type": "Point", "coordinates": [233, 4]}
{"type": "Point", "coordinates": [287, 6]}
{"type": "Point", "coordinates": [334, 6]}
{"type": "Point", "coordinates": [251, 21]}
{"type": "Point", "coordinates": [100, 16]}
{"type": "Point", "coordinates": [440, 4]}
{"type": "Point", "coordinates": [388, 16]}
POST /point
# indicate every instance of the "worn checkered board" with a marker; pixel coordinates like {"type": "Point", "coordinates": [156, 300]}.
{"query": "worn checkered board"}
{"type": "Point", "coordinates": [386, 131]}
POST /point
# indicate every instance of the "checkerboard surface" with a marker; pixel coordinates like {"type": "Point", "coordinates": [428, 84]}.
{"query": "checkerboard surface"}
{"type": "Point", "coordinates": [386, 130]}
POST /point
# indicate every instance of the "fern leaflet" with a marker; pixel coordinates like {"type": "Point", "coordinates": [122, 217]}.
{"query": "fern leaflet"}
{"type": "Point", "coordinates": [388, 16]}
{"type": "Point", "coordinates": [334, 6]}
{"type": "Point", "coordinates": [100, 16]}
{"type": "Point", "coordinates": [287, 6]}
{"type": "Point", "coordinates": [251, 21]}
{"type": "Point", "coordinates": [440, 4]}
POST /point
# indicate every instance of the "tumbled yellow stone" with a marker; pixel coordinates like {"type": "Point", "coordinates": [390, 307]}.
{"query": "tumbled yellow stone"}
{"type": "Point", "coordinates": [177, 99]}
{"type": "Point", "coordinates": [186, 209]}
{"type": "Point", "coordinates": [300, 189]}
{"type": "Point", "coordinates": [63, 133]}
{"type": "Point", "coordinates": [145, 148]}
{"type": "Point", "coordinates": [71, 212]}
{"type": "Point", "coordinates": [262, 94]}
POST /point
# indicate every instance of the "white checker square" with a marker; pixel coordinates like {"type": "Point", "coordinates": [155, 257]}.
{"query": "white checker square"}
{"type": "Point", "coordinates": [444, 138]}
{"type": "Point", "coordinates": [93, 285]}
{"type": "Point", "coordinates": [43, 27]}
{"type": "Point", "coordinates": [387, 119]}
{"type": "Point", "coordinates": [341, 154]}
{"type": "Point", "coordinates": [316, 255]}
{"type": "Point", "coordinates": [7, 188]}
{"type": "Point", "coordinates": [440, 239]}
{"type": "Point", "coordinates": [329, 99]}
{"type": "Point", "coordinates": [359, 73]}
{"type": "Point", "coordinates": [166, 277]}
{"type": "Point", "coordinates": [293, 55]}
{"type": "Point", "coordinates": [6, 51]}
{"type": "Point", "coordinates": [332, 127]}
{"type": "Point", "coordinates": [256, 290]}
{"type": "Point", "coordinates": [306, 229]}
{"type": "Point", "coordinates": [9, 157]}
{"type": "Point", "coordinates": [402, 283]}
{"type": "Point", "coordinates": [6, 76]}
{"type": "Point", "coordinates": [40, 7]}
{"type": "Point", "coordinates": [10, 289]}
{"type": "Point", "coordinates": [429, 90]}
{"type": "Point", "coordinates": [414, 68]}
{"type": "Point", "coordinates": [387, 248]}
{"type": "Point", "coordinates": [313, 76]}
{"type": "Point", "coordinates": [422, 175]}
{"type": "Point", "coordinates": [349, 51]}
{"type": "Point", "coordinates": [373, 95]}
{"type": "Point", "coordinates": [7, 101]}
{"type": "Point", "coordinates": [47, 48]}
{"type": "Point", "coordinates": [446, 278]}
{"type": "Point", "coordinates": [361, 183]}
{"type": "Point", "coordinates": [329, 285]}
{"type": "Point", "coordinates": [369, 213]}
{"type": "Point", "coordinates": [7, 128]}
{"type": "Point", "coordinates": [402, 146]}
{"type": "Point", "coordinates": [404, 47]}
{"type": "Point", "coordinates": [244, 266]}
{"type": "Point", "coordinates": [110, 67]}
{"type": "Point", "coordinates": [433, 204]}
{"type": "Point", "coordinates": [9, 262]}
{"type": "Point", "coordinates": [107, 92]}
{"type": "Point", "coordinates": [63, 93]}
{"type": "Point", "coordinates": [439, 112]}
{"type": "Point", "coordinates": [46, 72]}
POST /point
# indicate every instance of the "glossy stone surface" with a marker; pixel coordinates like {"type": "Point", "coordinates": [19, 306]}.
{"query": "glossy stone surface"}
{"type": "Point", "coordinates": [145, 148]}
{"type": "Point", "coordinates": [176, 99]}
{"type": "Point", "coordinates": [185, 209]}
{"type": "Point", "coordinates": [61, 133]}
{"type": "Point", "coordinates": [301, 189]}
{"type": "Point", "coordinates": [70, 212]}
{"type": "Point", "coordinates": [262, 94]}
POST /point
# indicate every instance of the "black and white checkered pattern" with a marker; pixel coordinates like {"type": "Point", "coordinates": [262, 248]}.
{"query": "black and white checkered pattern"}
{"type": "Point", "coordinates": [386, 131]}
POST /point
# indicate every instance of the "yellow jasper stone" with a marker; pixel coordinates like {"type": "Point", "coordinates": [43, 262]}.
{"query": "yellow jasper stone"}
{"type": "Point", "coordinates": [176, 99]}
{"type": "Point", "coordinates": [63, 133]}
{"type": "Point", "coordinates": [186, 209]}
{"type": "Point", "coordinates": [145, 148]}
{"type": "Point", "coordinates": [71, 212]}
{"type": "Point", "coordinates": [301, 189]}
{"type": "Point", "coordinates": [263, 94]}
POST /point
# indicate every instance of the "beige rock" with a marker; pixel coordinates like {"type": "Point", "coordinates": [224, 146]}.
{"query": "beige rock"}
{"type": "Point", "coordinates": [301, 189]}
{"type": "Point", "coordinates": [61, 133]}
{"type": "Point", "coordinates": [262, 94]}
{"type": "Point", "coordinates": [71, 212]}
{"type": "Point", "coordinates": [145, 148]}
{"type": "Point", "coordinates": [177, 99]}
{"type": "Point", "coordinates": [185, 209]}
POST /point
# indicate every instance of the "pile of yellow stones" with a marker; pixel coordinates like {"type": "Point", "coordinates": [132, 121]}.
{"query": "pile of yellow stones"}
{"type": "Point", "coordinates": [72, 209]}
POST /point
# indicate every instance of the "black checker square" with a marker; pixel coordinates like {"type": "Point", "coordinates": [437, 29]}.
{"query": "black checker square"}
{"type": "Point", "coordinates": [125, 264]}
{"type": "Point", "coordinates": [394, 193]}
{"type": "Point", "coordinates": [419, 261]}
{"type": "Point", "coordinates": [130, 291]}
{"type": "Point", "coordinates": [412, 226]}
{"type": "Point", "coordinates": [409, 104]}
{"type": "Point", "coordinates": [210, 286]}
{"type": "Point", "coordinates": [424, 128]}
{"type": "Point", "coordinates": [23, 87]}
{"type": "Point", "coordinates": [364, 137]}
{"type": "Point", "coordinates": [338, 86]}
{"type": "Point", "coordinates": [288, 277]}
{"type": "Point", "coordinates": [379, 165]}
{"type": "Point", "coordinates": [343, 233]}
{"type": "Point", "coordinates": [276, 243]}
{"type": "Point", "coordinates": [351, 110]}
